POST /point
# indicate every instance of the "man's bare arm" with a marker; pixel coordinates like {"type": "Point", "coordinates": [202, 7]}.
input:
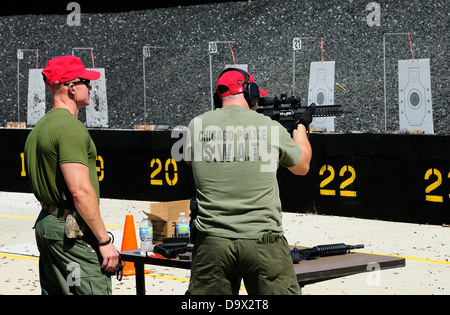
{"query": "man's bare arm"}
{"type": "Point", "coordinates": [301, 139]}
{"type": "Point", "coordinates": [77, 179]}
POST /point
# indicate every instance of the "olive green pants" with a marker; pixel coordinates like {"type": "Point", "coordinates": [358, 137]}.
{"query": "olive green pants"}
{"type": "Point", "coordinates": [220, 264]}
{"type": "Point", "coordinates": [67, 266]}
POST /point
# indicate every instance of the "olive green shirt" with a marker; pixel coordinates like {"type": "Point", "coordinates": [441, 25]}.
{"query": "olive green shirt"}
{"type": "Point", "coordinates": [58, 138]}
{"type": "Point", "coordinates": [235, 153]}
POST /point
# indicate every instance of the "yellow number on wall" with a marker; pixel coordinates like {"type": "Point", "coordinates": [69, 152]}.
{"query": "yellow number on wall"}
{"type": "Point", "coordinates": [326, 181]}
{"type": "Point", "coordinates": [348, 181]}
{"type": "Point", "coordinates": [22, 158]}
{"type": "Point", "coordinates": [170, 181]}
{"type": "Point", "coordinates": [100, 168]}
{"type": "Point", "coordinates": [174, 180]}
{"type": "Point", "coordinates": [433, 186]}
{"type": "Point", "coordinates": [157, 182]}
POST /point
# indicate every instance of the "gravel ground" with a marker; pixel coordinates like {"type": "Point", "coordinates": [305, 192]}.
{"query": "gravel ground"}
{"type": "Point", "coordinates": [425, 247]}
{"type": "Point", "coordinates": [177, 73]}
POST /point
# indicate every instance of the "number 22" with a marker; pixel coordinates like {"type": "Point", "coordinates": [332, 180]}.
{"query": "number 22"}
{"type": "Point", "coordinates": [347, 182]}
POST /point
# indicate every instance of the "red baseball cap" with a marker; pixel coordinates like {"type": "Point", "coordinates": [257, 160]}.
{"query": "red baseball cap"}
{"type": "Point", "coordinates": [233, 80]}
{"type": "Point", "coordinates": [66, 68]}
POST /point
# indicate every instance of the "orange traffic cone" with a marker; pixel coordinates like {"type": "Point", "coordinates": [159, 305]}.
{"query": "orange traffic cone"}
{"type": "Point", "coordinates": [129, 242]}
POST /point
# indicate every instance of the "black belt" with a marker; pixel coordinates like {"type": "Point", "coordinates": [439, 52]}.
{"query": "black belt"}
{"type": "Point", "coordinates": [56, 211]}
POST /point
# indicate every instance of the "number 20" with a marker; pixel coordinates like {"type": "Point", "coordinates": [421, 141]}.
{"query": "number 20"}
{"type": "Point", "coordinates": [343, 192]}
{"type": "Point", "coordinates": [159, 182]}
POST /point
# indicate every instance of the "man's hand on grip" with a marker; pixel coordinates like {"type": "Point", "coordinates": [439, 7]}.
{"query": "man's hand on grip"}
{"type": "Point", "coordinates": [305, 118]}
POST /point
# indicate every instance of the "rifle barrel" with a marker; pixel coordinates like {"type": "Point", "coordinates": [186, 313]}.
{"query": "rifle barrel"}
{"type": "Point", "coordinates": [322, 251]}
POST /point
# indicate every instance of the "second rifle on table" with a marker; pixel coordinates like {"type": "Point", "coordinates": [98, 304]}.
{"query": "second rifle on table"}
{"type": "Point", "coordinates": [322, 251]}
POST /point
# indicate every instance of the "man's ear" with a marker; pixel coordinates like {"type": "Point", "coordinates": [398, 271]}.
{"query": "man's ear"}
{"type": "Point", "coordinates": [72, 93]}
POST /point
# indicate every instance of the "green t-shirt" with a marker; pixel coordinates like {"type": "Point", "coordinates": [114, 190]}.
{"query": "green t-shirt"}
{"type": "Point", "coordinates": [58, 138]}
{"type": "Point", "coordinates": [234, 153]}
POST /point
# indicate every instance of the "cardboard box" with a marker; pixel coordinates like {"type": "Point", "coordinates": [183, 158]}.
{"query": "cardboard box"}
{"type": "Point", "coordinates": [164, 215]}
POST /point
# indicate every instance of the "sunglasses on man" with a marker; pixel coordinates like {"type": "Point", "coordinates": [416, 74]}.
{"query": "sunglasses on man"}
{"type": "Point", "coordinates": [84, 81]}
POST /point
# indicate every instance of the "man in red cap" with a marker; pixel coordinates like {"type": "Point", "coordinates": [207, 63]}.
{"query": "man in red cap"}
{"type": "Point", "coordinates": [76, 253]}
{"type": "Point", "coordinates": [235, 152]}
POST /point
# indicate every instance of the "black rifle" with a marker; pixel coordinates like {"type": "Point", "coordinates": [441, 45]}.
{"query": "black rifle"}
{"type": "Point", "coordinates": [321, 251]}
{"type": "Point", "coordinates": [172, 250]}
{"type": "Point", "coordinates": [287, 109]}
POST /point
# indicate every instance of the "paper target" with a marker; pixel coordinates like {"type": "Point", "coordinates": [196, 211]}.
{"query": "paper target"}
{"type": "Point", "coordinates": [321, 91]}
{"type": "Point", "coordinates": [415, 105]}
{"type": "Point", "coordinates": [36, 97]}
{"type": "Point", "coordinates": [97, 111]}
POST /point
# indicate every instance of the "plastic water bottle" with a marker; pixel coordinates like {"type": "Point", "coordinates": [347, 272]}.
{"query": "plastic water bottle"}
{"type": "Point", "coordinates": [146, 235]}
{"type": "Point", "coordinates": [182, 226]}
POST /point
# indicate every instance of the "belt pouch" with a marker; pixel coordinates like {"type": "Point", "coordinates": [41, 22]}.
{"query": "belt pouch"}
{"type": "Point", "coordinates": [75, 226]}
